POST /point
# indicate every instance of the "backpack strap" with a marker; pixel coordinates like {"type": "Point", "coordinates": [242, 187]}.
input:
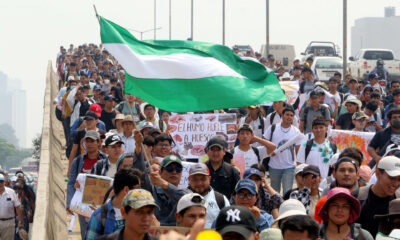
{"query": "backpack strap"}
{"type": "Point", "coordinates": [272, 117]}
{"type": "Point", "coordinates": [220, 199]}
{"type": "Point", "coordinates": [262, 124]}
{"type": "Point", "coordinates": [161, 125]}
{"type": "Point", "coordinates": [306, 109]}
{"type": "Point", "coordinates": [272, 131]}
{"type": "Point", "coordinates": [334, 147]}
{"type": "Point", "coordinates": [103, 215]}
{"type": "Point", "coordinates": [363, 195]}
{"type": "Point", "coordinates": [255, 150]}
{"type": "Point", "coordinates": [308, 149]}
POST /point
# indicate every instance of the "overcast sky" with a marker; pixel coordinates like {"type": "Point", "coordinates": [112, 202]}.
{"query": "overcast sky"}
{"type": "Point", "coordinates": [31, 32]}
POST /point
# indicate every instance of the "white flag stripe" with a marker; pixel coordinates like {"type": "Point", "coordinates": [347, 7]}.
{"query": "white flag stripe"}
{"type": "Point", "coordinates": [173, 66]}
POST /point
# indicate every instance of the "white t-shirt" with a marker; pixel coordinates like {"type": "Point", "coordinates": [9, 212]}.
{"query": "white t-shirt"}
{"type": "Point", "coordinates": [112, 169]}
{"type": "Point", "coordinates": [8, 200]}
{"type": "Point", "coordinates": [277, 119]}
{"type": "Point", "coordinates": [286, 158]}
{"type": "Point", "coordinates": [250, 156]}
{"type": "Point", "coordinates": [320, 155]}
{"type": "Point", "coordinates": [330, 101]}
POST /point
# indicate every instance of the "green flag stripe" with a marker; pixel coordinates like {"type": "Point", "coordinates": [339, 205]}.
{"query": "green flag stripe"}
{"type": "Point", "coordinates": [175, 94]}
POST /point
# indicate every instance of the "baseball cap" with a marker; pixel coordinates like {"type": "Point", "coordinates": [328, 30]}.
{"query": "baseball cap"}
{"type": "Point", "coordinates": [245, 126]}
{"type": "Point", "coordinates": [97, 87]}
{"type": "Point", "coordinates": [146, 125]}
{"type": "Point", "coordinates": [217, 140]}
{"type": "Point", "coordinates": [358, 115]}
{"type": "Point", "coordinates": [354, 100]}
{"type": "Point", "coordinates": [246, 184]}
{"type": "Point", "coordinates": [254, 106]}
{"type": "Point", "coordinates": [112, 140]}
{"type": "Point", "coordinates": [108, 97]}
{"type": "Point", "coordinates": [306, 69]}
{"type": "Point", "coordinates": [96, 109]}
{"type": "Point", "coordinates": [299, 168]}
{"type": "Point", "coordinates": [250, 172]}
{"type": "Point", "coordinates": [391, 165]}
{"type": "Point", "coordinates": [2, 178]}
{"type": "Point", "coordinates": [199, 168]}
{"type": "Point", "coordinates": [373, 75]}
{"type": "Point", "coordinates": [154, 130]}
{"type": "Point", "coordinates": [311, 169]}
{"type": "Point", "coordinates": [189, 200]}
{"type": "Point", "coordinates": [289, 208]}
{"type": "Point", "coordinates": [138, 198]}
{"type": "Point", "coordinates": [91, 115]}
{"type": "Point", "coordinates": [92, 134]}
{"type": "Point", "coordinates": [236, 219]}
{"type": "Point", "coordinates": [271, 234]}
{"type": "Point", "coordinates": [172, 158]}
{"type": "Point", "coordinates": [314, 93]}
{"type": "Point", "coordinates": [20, 175]}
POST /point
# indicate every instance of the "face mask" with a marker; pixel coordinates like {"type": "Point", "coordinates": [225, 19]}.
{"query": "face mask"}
{"type": "Point", "coordinates": [107, 81]}
{"type": "Point", "coordinates": [72, 87]}
{"type": "Point", "coordinates": [396, 123]}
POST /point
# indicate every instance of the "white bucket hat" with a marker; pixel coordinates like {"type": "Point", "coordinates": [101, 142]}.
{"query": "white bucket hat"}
{"type": "Point", "coordinates": [289, 208]}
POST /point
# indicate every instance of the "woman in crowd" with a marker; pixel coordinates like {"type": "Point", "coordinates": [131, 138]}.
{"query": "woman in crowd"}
{"type": "Point", "coordinates": [338, 214]}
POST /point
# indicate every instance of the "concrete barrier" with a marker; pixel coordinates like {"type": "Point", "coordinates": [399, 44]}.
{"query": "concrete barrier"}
{"type": "Point", "coordinates": [50, 217]}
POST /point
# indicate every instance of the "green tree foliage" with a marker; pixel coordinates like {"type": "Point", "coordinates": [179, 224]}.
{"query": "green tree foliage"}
{"type": "Point", "coordinates": [10, 156]}
{"type": "Point", "coordinates": [8, 133]}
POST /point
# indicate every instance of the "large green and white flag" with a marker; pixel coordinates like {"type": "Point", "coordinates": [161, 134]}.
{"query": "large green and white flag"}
{"type": "Point", "coordinates": [183, 76]}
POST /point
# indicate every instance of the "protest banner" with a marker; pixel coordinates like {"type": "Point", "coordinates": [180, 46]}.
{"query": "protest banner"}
{"type": "Point", "coordinates": [291, 90]}
{"type": "Point", "coordinates": [344, 139]}
{"type": "Point", "coordinates": [157, 231]}
{"type": "Point", "coordinates": [91, 191]}
{"type": "Point", "coordinates": [192, 132]}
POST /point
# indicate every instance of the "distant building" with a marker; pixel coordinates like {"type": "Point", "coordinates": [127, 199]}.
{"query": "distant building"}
{"type": "Point", "coordinates": [19, 116]}
{"type": "Point", "coordinates": [377, 32]}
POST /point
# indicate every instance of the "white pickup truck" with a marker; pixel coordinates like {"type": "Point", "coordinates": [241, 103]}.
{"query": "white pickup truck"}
{"type": "Point", "coordinates": [365, 61]}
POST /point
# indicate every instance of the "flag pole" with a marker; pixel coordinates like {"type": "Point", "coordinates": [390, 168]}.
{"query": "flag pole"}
{"type": "Point", "coordinates": [148, 166]}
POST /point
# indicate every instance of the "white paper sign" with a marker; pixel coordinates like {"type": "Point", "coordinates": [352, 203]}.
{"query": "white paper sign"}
{"type": "Point", "coordinates": [192, 132]}
{"type": "Point", "coordinates": [184, 183]}
{"type": "Point", "coordinates": [77, 205]}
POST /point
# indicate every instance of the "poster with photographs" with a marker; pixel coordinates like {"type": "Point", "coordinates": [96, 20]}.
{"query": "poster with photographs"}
{"type": "Point", "coordinates": [191, 132]}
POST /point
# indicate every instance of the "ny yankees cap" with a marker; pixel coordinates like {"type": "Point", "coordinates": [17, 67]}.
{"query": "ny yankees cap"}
{"type": "Point", "coordinates": [236, 219]}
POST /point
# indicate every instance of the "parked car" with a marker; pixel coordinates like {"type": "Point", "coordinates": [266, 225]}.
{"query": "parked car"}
{"type": "Point", "coordinates": [319, 49]}
{"type": "Point", "coordinates": [366, 59]}
{"type": "Point", "coordinates": [325, 67]}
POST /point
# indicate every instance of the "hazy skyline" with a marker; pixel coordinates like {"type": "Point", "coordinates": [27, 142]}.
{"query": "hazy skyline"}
{"type": "Point", "coordinates": [32, 31]}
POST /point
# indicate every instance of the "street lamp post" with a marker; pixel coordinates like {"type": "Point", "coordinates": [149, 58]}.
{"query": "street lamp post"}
{"type": "Point", "coordinates": [344, 37]}
{"type": "Point", "coordinates": [145, 31]}
{"type": "Point", "coordinates": [155, 17]}
{"type": "Point", "coordinates": [191, 21]}
{"type": "Point", "coordinates": [267, 27]}
{"type": "Point", "coordinates": [223, 22]}
{"type": "Point", "coordinates": [170, 18]}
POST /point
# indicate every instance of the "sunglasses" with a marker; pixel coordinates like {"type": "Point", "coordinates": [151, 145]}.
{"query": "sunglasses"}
{"type": "Point", "coordinates": [171, 169]}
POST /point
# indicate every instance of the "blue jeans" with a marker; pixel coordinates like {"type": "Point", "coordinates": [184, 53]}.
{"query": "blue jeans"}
{"type": "Point", "coordinates": [83, 223]}
{"type": "Point", "coordinates": [281, 176]}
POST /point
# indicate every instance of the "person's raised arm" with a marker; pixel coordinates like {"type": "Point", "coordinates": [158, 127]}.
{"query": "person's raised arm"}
{"type": "Point", "coordinates": [268, 144]}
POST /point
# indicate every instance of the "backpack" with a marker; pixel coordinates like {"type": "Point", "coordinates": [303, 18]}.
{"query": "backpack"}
{"type": "Point", "coordinates": [219, 197]}
{"type": "Point", "coordinates": [266, 160]}
{"type": "Point", "coordinates": [262, 126]}
{"type": "Point", "coordinates": [309, 146]}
